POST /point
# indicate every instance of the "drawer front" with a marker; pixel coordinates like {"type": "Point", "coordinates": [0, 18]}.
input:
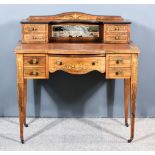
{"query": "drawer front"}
{"type": "Point", "coordinates": [116, 27]}
{"type": "Point", "coordinates": [76, 65]}
{"type": "Point", "coordinates": [34, 28]}
{"type": "Point", "coordinates": [118, 38]}
{"type": "Point", "coordinates": [116, 33]}
{"type": "Point", "coordinates": [34, 73]}
{"type": "Point", "coordinates": [118, 73]}
{"type": "Point", "coordinates": [119, 60]}
{"type": "Point", "coordinates": [33, 38]}
{"type": "Point", "coordinates": [34, 61]}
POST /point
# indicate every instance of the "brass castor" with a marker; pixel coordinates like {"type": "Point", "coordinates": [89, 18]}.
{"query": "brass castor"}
{"type": "Point", "coordinates": [22, 141]}
{"type": "Point", "coordinates": [126, 124]}
{"type": "Point", "coordinates": [26, 125]}
{"type": "Point", "coordinates": [130, 140]}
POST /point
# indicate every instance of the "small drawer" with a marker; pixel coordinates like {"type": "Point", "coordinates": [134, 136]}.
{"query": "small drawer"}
{"type": "Point", "coordinates": [33, 73]}
{"type": "Point", "coordinates": [118, 38]}
{"type": "Point", "coordinates": [34, 28]}
{"type": "Point", "coordinates": [116, 27]}
{"type": "Point", "coordinates": [118, 73]}
{"type": "Point", "coordinates": [38, 61]}
{"type": "Point", "coordinates": [33, 38]}
{"type": "Point", "coordinates": [119, 60]}
{"type": "Point", "coordinates": [77, 65]}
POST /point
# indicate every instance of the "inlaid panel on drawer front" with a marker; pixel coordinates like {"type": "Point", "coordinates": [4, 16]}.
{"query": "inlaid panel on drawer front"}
{"type": "Point", "coordinates": [33, 73]}
{"type": "Point", "coordinates": [116, 33]}
{"type": "Point", "coordinates": [119, 60]}
{"type": "Point", "coordinates": [116, 27]}
{"type": "Point", "coordinates": [35, 66]}
{"type": "Point", "coordinates": [118, 66]}
{"type": "Point", "coordinates": [35, 33]}
{"type": "Point", "coordinates": [119, 73]}
{"type": "Point", "coordinates": [34, 28]}
{"type": "Point", "coordinates": [32, 38]}
{"type": "Point", "coordinates": [77, 64]}
{"type": "Point", "coordinates": [118, 38]}
{"type": "Point", "coordinates": [34, 61]}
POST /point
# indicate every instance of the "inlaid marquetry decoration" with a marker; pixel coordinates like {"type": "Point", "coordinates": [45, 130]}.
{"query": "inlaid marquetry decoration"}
{"type": "Point", "coordinates": [77, 65]}
{"type": "Point", "coordinates": [77, 43]}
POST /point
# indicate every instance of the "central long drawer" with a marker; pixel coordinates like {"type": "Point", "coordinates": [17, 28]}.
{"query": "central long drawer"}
{"type": "Point", "coordinates": [76, 64]}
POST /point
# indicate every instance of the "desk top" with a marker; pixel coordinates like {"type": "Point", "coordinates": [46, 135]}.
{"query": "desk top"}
{"type": "Point", "coordinates": [76, 48]}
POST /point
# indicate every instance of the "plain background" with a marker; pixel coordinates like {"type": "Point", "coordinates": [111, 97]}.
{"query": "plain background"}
{"type": "Point", "coordinates": [66, 95]}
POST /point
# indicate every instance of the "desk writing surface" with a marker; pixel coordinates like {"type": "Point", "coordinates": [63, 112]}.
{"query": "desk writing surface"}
{"type": "Point", "coordinates": [76, 48]}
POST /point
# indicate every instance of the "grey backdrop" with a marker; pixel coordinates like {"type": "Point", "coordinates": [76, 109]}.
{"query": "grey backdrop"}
{"type": "Point", "coordinates": [66, 95]}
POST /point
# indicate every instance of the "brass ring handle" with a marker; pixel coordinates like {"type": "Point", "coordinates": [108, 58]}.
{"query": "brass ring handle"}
{"type": "Point", "coordinates": [59, 62]}
{"type": "Point", "coordinates": [34, 73]}
{"type": "Point", "coordinates": [33, 61]}
{"type": "Point", "coordinates": [118, 72]}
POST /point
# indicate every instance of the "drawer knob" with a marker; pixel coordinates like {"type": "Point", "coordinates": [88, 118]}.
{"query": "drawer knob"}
{"type": "Point", "coordinates": [119, 61]}
{"type": "Point", "coordinates": [34, 73]}
{"type": "Point", "coordinates": [117, 38]}
{"type": "Point", "coordinates": [93, 63]}
{"type": "Point", "coordinates": [59, 62]}
{"type": "Point", "coordinates": [32, 29]}
{"type": "Point", "coordinates": [34, 37]}
{"type": "Point", "coordinates": [116, 28]}
{"type": "Point", "coordinates": [118, 73]}
{"type": "Point", "coordinates": [34, 61]}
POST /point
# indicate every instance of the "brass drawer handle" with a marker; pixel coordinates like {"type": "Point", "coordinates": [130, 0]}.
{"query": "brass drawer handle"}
{"type": "Point", "coordinates": [34, 37]}
{"type": "Point", "coordinates": [116, 28]}
{"type": "Point", "coordinates": [117, 38]}
{"type": "Point", "coordinates": [93, 63]}
{"type": "Point", "coordinates": [118, 73]}
{"type": "Point", "coordinates": [59, 62]}
{"type": "Point", "coordinates": [119, 61]}
{"type": "Point", "coordinates": [32, 29]}
{"type": "Point", "coordinates": [34, 73]}
{"type": "Point", "coordinates": [34, 61]}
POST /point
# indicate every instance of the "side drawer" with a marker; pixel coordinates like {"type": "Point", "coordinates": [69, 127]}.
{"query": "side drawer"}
{"type": "Point", "coordinates": [34, 38]}
{"type": "Point", "coordinates": [116, 27]}
{"type": "Point", "coordinates": [34, 73]}
{"type": "Point", "coordinates": [34, 28]}
{"type": "Point", "coordinates": [114, 73]}
{"type": "Point", "coordinates": [116, 33]}
{"type": "Point", "coordinates": [118, 38]}
{"type": "Point", "coordinates": [118, 60]}
{"type": "Point", "coordinates": [34, 61]}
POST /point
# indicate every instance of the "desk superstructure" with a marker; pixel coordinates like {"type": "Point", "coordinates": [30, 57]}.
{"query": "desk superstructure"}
{"type": "Point", "coordinates": [77, 43]}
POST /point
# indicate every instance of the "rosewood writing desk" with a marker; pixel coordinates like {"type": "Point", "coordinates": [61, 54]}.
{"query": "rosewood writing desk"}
{"type": "Point", "coordinates": [77, 43]}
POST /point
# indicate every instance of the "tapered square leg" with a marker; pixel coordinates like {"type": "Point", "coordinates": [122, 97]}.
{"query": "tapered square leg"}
{"type": "Point", "coordinates": [21, 112]}
{"type": "Point", "coordinates": [20, 88]}
{"type": "Point", "coordinates": [133, 89]}
{"type": "Point", "coordinates": [126, 99]}
{"type": "Point", "coordinates": [25, 97]}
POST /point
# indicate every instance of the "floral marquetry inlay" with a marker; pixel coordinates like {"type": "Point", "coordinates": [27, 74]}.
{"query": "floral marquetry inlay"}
{"type": "Point", "coordinates": [77, 65]}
